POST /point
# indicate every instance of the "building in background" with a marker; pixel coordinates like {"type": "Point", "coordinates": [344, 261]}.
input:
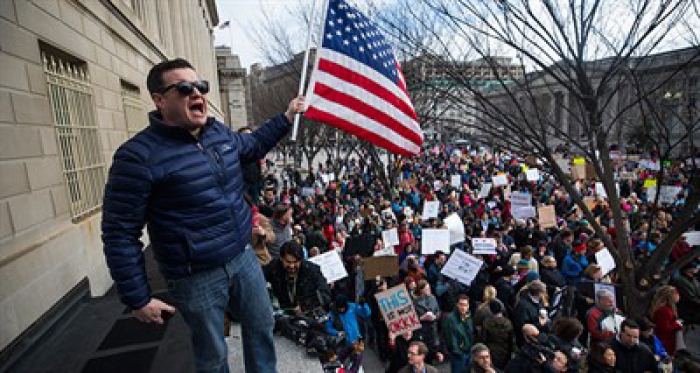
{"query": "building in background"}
{"type": "Point", "coordinates": [233, 88]}
{"type": "Point", "coordinates": [72, 89]}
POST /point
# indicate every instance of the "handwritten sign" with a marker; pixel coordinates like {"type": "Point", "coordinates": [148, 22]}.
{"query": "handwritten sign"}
{"type": "Point", "coordinates": [692, 237]}
{"type": "Point", "coordinates": [533, 174]}
{"type": "Point", "coordinates": [526, 212]}
{"type": "Point", "coordinates": [307, 192]}
{"type": "Point", "coordinates": [434, 240]}
{"type": "Point", "coordinates": [547, 216]}
{"type": "Point", "coordinates": [397, 309]}
{"type": "Point", "coordinates": [431, 209]}
{"type": "Point", "coordinates": [462, 267]}
{"type": "Point", "coordinates": [385, 266]}
{"type": "Point", "coordinates": [331, 266]}
{"type": "Point", "coordinates": [390, 237]}
{"type": "Point", "coordinates": [456, 181]}
{"type": "Point", "coordinates": [519, 199]}
{"type": "Point", "coordinates": [605, 260]}
{"type": "Point", "coordinates": [500, 180]}
{"type": "Point", "coordinates": [456, 227]}
{"type": "Point", "coordinates": [485, 190]}
{"type": "Point", "coordinates": [485, 246]}
{"type": "Point", "coordinates": [669, 194]}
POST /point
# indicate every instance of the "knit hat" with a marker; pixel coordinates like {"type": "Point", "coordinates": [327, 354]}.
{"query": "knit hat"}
{"type": "Point", "coordinates": [532, 276]}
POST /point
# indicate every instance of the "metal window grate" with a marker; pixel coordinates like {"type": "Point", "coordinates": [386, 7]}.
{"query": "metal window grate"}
{"type": "Point", "coordinates": [73, 108]}
{"type": "Point", "coordinates": [133, 108]}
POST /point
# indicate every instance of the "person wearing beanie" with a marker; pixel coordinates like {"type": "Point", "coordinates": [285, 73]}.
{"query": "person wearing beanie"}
{"type": "Point", "coordinates": [574, 263]}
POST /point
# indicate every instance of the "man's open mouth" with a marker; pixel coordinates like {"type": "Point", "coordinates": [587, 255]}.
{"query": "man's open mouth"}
{"type": "Point", "coordinates": [197, 108]}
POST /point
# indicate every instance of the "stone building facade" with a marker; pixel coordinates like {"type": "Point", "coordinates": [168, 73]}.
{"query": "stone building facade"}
{"type": "Point", "coordinates": [233, 88]}
{"type": "Point", "coordinates": [72, 89]}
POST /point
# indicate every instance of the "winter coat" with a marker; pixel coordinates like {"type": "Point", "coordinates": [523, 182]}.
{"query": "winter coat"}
{"type": "Point", "coordinates": [602, 324]}
{"type": "Point", "coordinates": [189, 193]}
{"type": "Point", "coordinates": [309, 280]}
{"type": "Point", "coordinates": [497, 334]}
{"type": "Point", "coordinates": [458, 332]}
{"type": "Point", "coordinates": [573, 267]}
{"type": "Point", "coordinates": [528, 312]}
{"type": "Point", "coordinates": [689, 304]}
{"type": "Point", "coordinates": [666, 322]}
{"type": "Point", "coordinates": [636, 359]}
{"type": "Point", "coordinates": [349, 321]}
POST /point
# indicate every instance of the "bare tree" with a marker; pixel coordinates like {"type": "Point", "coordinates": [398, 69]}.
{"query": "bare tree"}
{"type": "Point", "coordinates": [594, 68]}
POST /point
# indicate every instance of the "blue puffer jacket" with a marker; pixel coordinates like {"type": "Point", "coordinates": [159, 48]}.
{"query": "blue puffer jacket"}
{"type": "Point", "coordinates": [189, 194]}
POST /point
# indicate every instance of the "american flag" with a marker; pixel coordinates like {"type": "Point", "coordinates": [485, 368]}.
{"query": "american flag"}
{"type": "Point", "coordinates": [224, 25]}
{"type": "Point", "coordinates": [357, 84]}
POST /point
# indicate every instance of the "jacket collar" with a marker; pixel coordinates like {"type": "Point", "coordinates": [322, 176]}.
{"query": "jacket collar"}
{"type": "Point", "coordinates": [156, 122]}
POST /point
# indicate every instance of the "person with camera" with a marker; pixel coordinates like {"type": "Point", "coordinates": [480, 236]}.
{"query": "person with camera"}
{"type": "Point", "coordinates": [297, 284]}
{"type": "Point", "coordinates": [537, 354]}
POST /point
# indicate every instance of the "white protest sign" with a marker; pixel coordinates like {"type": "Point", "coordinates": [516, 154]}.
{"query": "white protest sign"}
{"type": "Point", "coordinates": [524, 212]}
{"type": "Point", "coordinates": [669, 193]}
{"type": "Point", "coordinates": [692, 237]}
{"type": "Point", "coordinates": [520, 199]}
{"type": "Point", "coordinates": [611, 288]}
{"type": "Point", "coordinates": [532, 174]}
{"type": "Point", "coordinates": [605, 260]}
{"type": "Point", "coordinates": [430, 209]}
{"type": "Point", "coordinates": [456, 227]}
{"type": "Point", "coordinates": [462, 267]}
{"type": "Point", "coordinates": [485, 190]}
{"type": "Point", "coordinates": [484, 246]}
{"type": "Point", "coordinates": [600, 190]}
{"type": "Point", "coordinates": [434, 240]}
{"type": "Point", "coordinates": [386, 251]}
{"type": "Point", "coordinates": [326, 178]}
{"type": "Point", "coordinates": [390, 237]}
{"type": "Point", "coordinates": [396, 306]}
{"type": "Point", "coordinates": [456, 181]}
{"type": "Point", "coordinates": [500, 180]}
{"type": "Point", "coordinates": [331, 176]}
{"type": "Point", "coordinates": [307, 192]}
{"type": "Point", "coordinates": [331, 266]}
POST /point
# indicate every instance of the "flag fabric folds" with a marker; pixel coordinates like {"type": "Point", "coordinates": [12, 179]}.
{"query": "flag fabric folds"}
{"type": "Point", "coordinates": [224, 25]}
{"type": "Point", "coordinates": [357, 84]}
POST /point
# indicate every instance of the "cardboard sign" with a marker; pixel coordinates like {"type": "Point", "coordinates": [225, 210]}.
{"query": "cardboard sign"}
{"type": "Point", "coordinates": [547, 217]}
{"type": "Point", "coordinates": [578, 172]}
{"type": "Point", "coordinates": [533, 174]}
{"type": "Point", "coordinates": [385, 266]}
{"type": "Point", "coordinates": [397, 309]}
{"type": "Point", "coordinates": [605, 260]}
{"type": "Point", "coordinates": [462, 267]}
{"type": "Point", "coordinates": [430, 209]}
{"type": "Point", "coordinates": [434, 240]}
{"type": "Point", "coordinates": [331, 266]}
{"type": "Point", "coordinates": [456, 228]}
{"type": "Point", "coordinates": [692, 237]}
{"type": "Point", "coordinates": [390, 237]}
{"type": "Point", "coordinates": [483, 246]}
{"type": "Point", "coordinates": [500, 180]}
{"type": "Point", "coordinates": [456, 181]}
{"type": "Point", "coordinates": [520, 199]}
{"type": "Point", "coordinates": [485, 190]}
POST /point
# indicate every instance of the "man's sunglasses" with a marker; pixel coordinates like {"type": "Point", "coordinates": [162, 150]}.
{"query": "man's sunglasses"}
{"type": "Point", "coordinates": [186, 88]}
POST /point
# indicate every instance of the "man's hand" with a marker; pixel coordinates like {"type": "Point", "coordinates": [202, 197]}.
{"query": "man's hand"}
{"type": "Point", "coordinates": [297, 105]}
{"type": "Point", "coordinates": [152, 312]}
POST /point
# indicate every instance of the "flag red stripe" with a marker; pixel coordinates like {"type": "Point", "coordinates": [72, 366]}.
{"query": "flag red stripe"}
{"type": "Point", "coordinates": [350, 76]}
{"type": "Point", "coordinates": [359, 106]}
{"type": "Point", "coordinates": [355, 130]}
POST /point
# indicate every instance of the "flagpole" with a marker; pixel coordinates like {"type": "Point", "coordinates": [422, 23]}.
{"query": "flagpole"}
{"type": "Point", "coordinates": [304, 68]}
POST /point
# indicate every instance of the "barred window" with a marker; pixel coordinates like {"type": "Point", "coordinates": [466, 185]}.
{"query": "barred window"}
{"type": "Point", "coordinates": [133, 108]}
{"type": "Point", "coordinates": [73, 109]}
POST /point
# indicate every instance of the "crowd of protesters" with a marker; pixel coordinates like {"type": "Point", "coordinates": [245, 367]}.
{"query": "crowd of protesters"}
{"type": "Point", "coordinates": [534, 305]}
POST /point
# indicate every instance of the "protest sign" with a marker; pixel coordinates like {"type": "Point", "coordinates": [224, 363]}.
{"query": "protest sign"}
{"type": "Point", "coordinates": [669, 194]}
{"type": "Point", "coordinates": [456, 181]}
{"type": "Point", "coordinates": [564, 164]}
{"type": "Point", "coordinates": [485, 190]}
{"type": "Point", "coordinates": [692, 237]}
{"type": "Point", "coordinates": [605, 260]}
{"type": "Point", "coordinates": [397, 309]}
{"type": "Point", "coordinates": [390, 237]}
{"type": "Point", "coordinates": [547, 217]}
{"type": "Point", "coordinates": [433, 240]}
{"type": "Point", "coordinates": [524, 213]}
{"type": "Point", "coordinates": [578, 172]}
{"type": "Point", "coordinates": [385, 266]}
{"type": "Point", "coordinates": [579, 161]}
{"type": "Point", "coordinates": [520, 199]}
{"type": "Point", "coordinates": [627, 175]}
{"type": "Point", "coordinates": [456, 227]}
{"type": "Point", "coordinates": [387, 250]}
{"type": "Point", "coordinates": [430, 209]}
{"type": "Point", "coordinates": [331, 266]}
{"type": "Point", "coordinates": [533, 174]}
{"type": "Point", "coordinates": [462, 267]}
{"type": "Point", "coordinates": [649, 183]}
{"type": "Point", "coordinates": [500, 180]}
{"type": "Point", "coordinates": [307, 192]}
{"type": "Point", "coordinates": [326, 178]}
{"type": "Point", "coordinates": [485, 246]}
